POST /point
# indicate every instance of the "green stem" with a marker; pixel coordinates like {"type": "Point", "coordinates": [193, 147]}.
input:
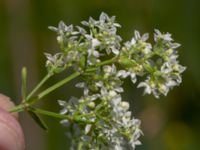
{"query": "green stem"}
{"type": "Point", "coordinates": [112, 60]}
{"type": "Point", "coordinates": [57, 85]}
{"type": "Point", "coordinates": [74, 75]}
{"type": "Point", "coordinates": [50, 114]}
{"type": "Point", "coordinates": [18, 108]}
{"type": "Point", "coordinates": [39, 85]}
{"type": "Point", "coordinates": [21, 107]}
{"type": "Point", "coordinates": [45, 92]}
{"type": "Point", "coordinates": [107, 61]}
{"type": "Point", "coordinates": [77, 118]}
{"type": "Point", "coordinates": [80, 144]}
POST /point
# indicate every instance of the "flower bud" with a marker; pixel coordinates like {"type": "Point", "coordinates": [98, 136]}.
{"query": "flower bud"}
{"type": "Point", "coordinates": [91, 105]}
{"type": "Point", "coordinates": [125, 105]}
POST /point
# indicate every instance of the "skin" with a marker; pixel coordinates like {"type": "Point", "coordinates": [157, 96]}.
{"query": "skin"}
{"type": "Point", "coordinates": [11, 134]}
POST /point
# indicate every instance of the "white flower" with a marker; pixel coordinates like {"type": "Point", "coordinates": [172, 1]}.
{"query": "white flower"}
{"type": "Point", "coordinates": [144, 37]}
{"type": "Point", "coordinates": [166, 68]}
{"type": "Point", "coordinates": [158, 35]}
{"type": "Point", "coordinates": [123, 74]}
{"type": "Point", "coordinates": [147, 88]}
{"type": "Point", "coordinates": [95, 43]}
{"type": "Point", "coordinates": [55, 63]}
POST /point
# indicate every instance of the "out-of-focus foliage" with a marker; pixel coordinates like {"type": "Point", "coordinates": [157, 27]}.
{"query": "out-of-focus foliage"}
{"type": "Point", "coordinates": [171, 123]}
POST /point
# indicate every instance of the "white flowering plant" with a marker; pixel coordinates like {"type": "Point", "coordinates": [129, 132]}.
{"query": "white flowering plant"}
{"type": "Point", "coordinates": [100, 119]}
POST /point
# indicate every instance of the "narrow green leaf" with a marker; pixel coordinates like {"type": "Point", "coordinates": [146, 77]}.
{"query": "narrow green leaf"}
{"type": "Point", "coordinates": [37, 119]}
{"type": "Point", "coordinates": [24, 79]}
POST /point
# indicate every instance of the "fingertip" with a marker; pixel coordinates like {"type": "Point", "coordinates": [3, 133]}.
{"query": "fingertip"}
{"type": "Point", "coordinates": [6, 104]}
{"type": "Point", "coordinates": [11, 136]}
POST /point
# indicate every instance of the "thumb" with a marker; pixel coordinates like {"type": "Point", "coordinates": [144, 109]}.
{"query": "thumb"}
{"type": "Point", "coordinates": [11, 135]}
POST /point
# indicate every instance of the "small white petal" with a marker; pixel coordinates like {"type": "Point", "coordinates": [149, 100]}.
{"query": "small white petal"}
{"type": "Point", "coordinates": [103, 91]}
{"type": "Point", "coordinates": [89, 37]}
{"type": "Point", "coordinates": [137, 35]}
{"type": "Point", "coordinates": [123, 74]}
{"type": "Point", "coordinates": [63, 111]}
{"type": "Point", "coordinates": [175, 45]}
{"type": "Point", "coordinates": [96, 53]}
{"type": "Point", "coordinates": [95, 43]}
{"type": "Point", "coordinates": [99, 84]}
{"type": "Point", "coordinates": [87, 128]}
{"type": "Point", "coordinates": [133, 41]}
{"type": "Point", "coordinates": [80, 85]}
{"type": "Point", "coordinates": [85, 23]}
{"type": "Point", "coordinates": [65, 122]}
{"type": "Point", "coordinates": [53, 28]}
{"type": "Point", "coordinates": [119, 89]}
{"type": "Point", "coordinates": [133, 77]}
{"type": "Point", "coordinates": [112, 93]}
{"type": "Point", "coordinates": [147, 89]}
{"type": "Point", "coordinates": [117, 25]}
{"type": "Point", "coordinates": [62, 103]}
{"type": "Point", "coordinates": [171, 83]}
{"type": "Point", "coordinates": [115, 51]}
{"type": "Point", "coordinates": [145, 37]}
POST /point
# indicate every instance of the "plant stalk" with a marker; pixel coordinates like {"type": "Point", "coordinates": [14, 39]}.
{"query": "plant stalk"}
{"type": "Point", "coordinates": [57, 85]}
{"type": "Point", "coordinates": [39, 85]}
{"type": "Point", "coordinates": [28, 102]}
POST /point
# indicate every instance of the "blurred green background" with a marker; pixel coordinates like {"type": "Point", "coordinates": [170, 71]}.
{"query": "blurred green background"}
{"type": "Point", "coordinates": [171, 123]}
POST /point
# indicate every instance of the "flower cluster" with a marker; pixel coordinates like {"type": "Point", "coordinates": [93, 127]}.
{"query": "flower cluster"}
{"type": "Point", "coordinates": [100, 118]}
{"type": "Point", "coordinates": [158, 62]}
{"type": "Point", "coordinates": [106, 120]}
{"type": "Point", "coordinates": [83, 47]}
{"type": "Point", "coordinates": [104, 31]}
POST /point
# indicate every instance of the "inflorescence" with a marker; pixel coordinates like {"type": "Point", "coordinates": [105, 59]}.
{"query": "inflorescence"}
{"type": "Point", "coordinates": [100, 118]}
